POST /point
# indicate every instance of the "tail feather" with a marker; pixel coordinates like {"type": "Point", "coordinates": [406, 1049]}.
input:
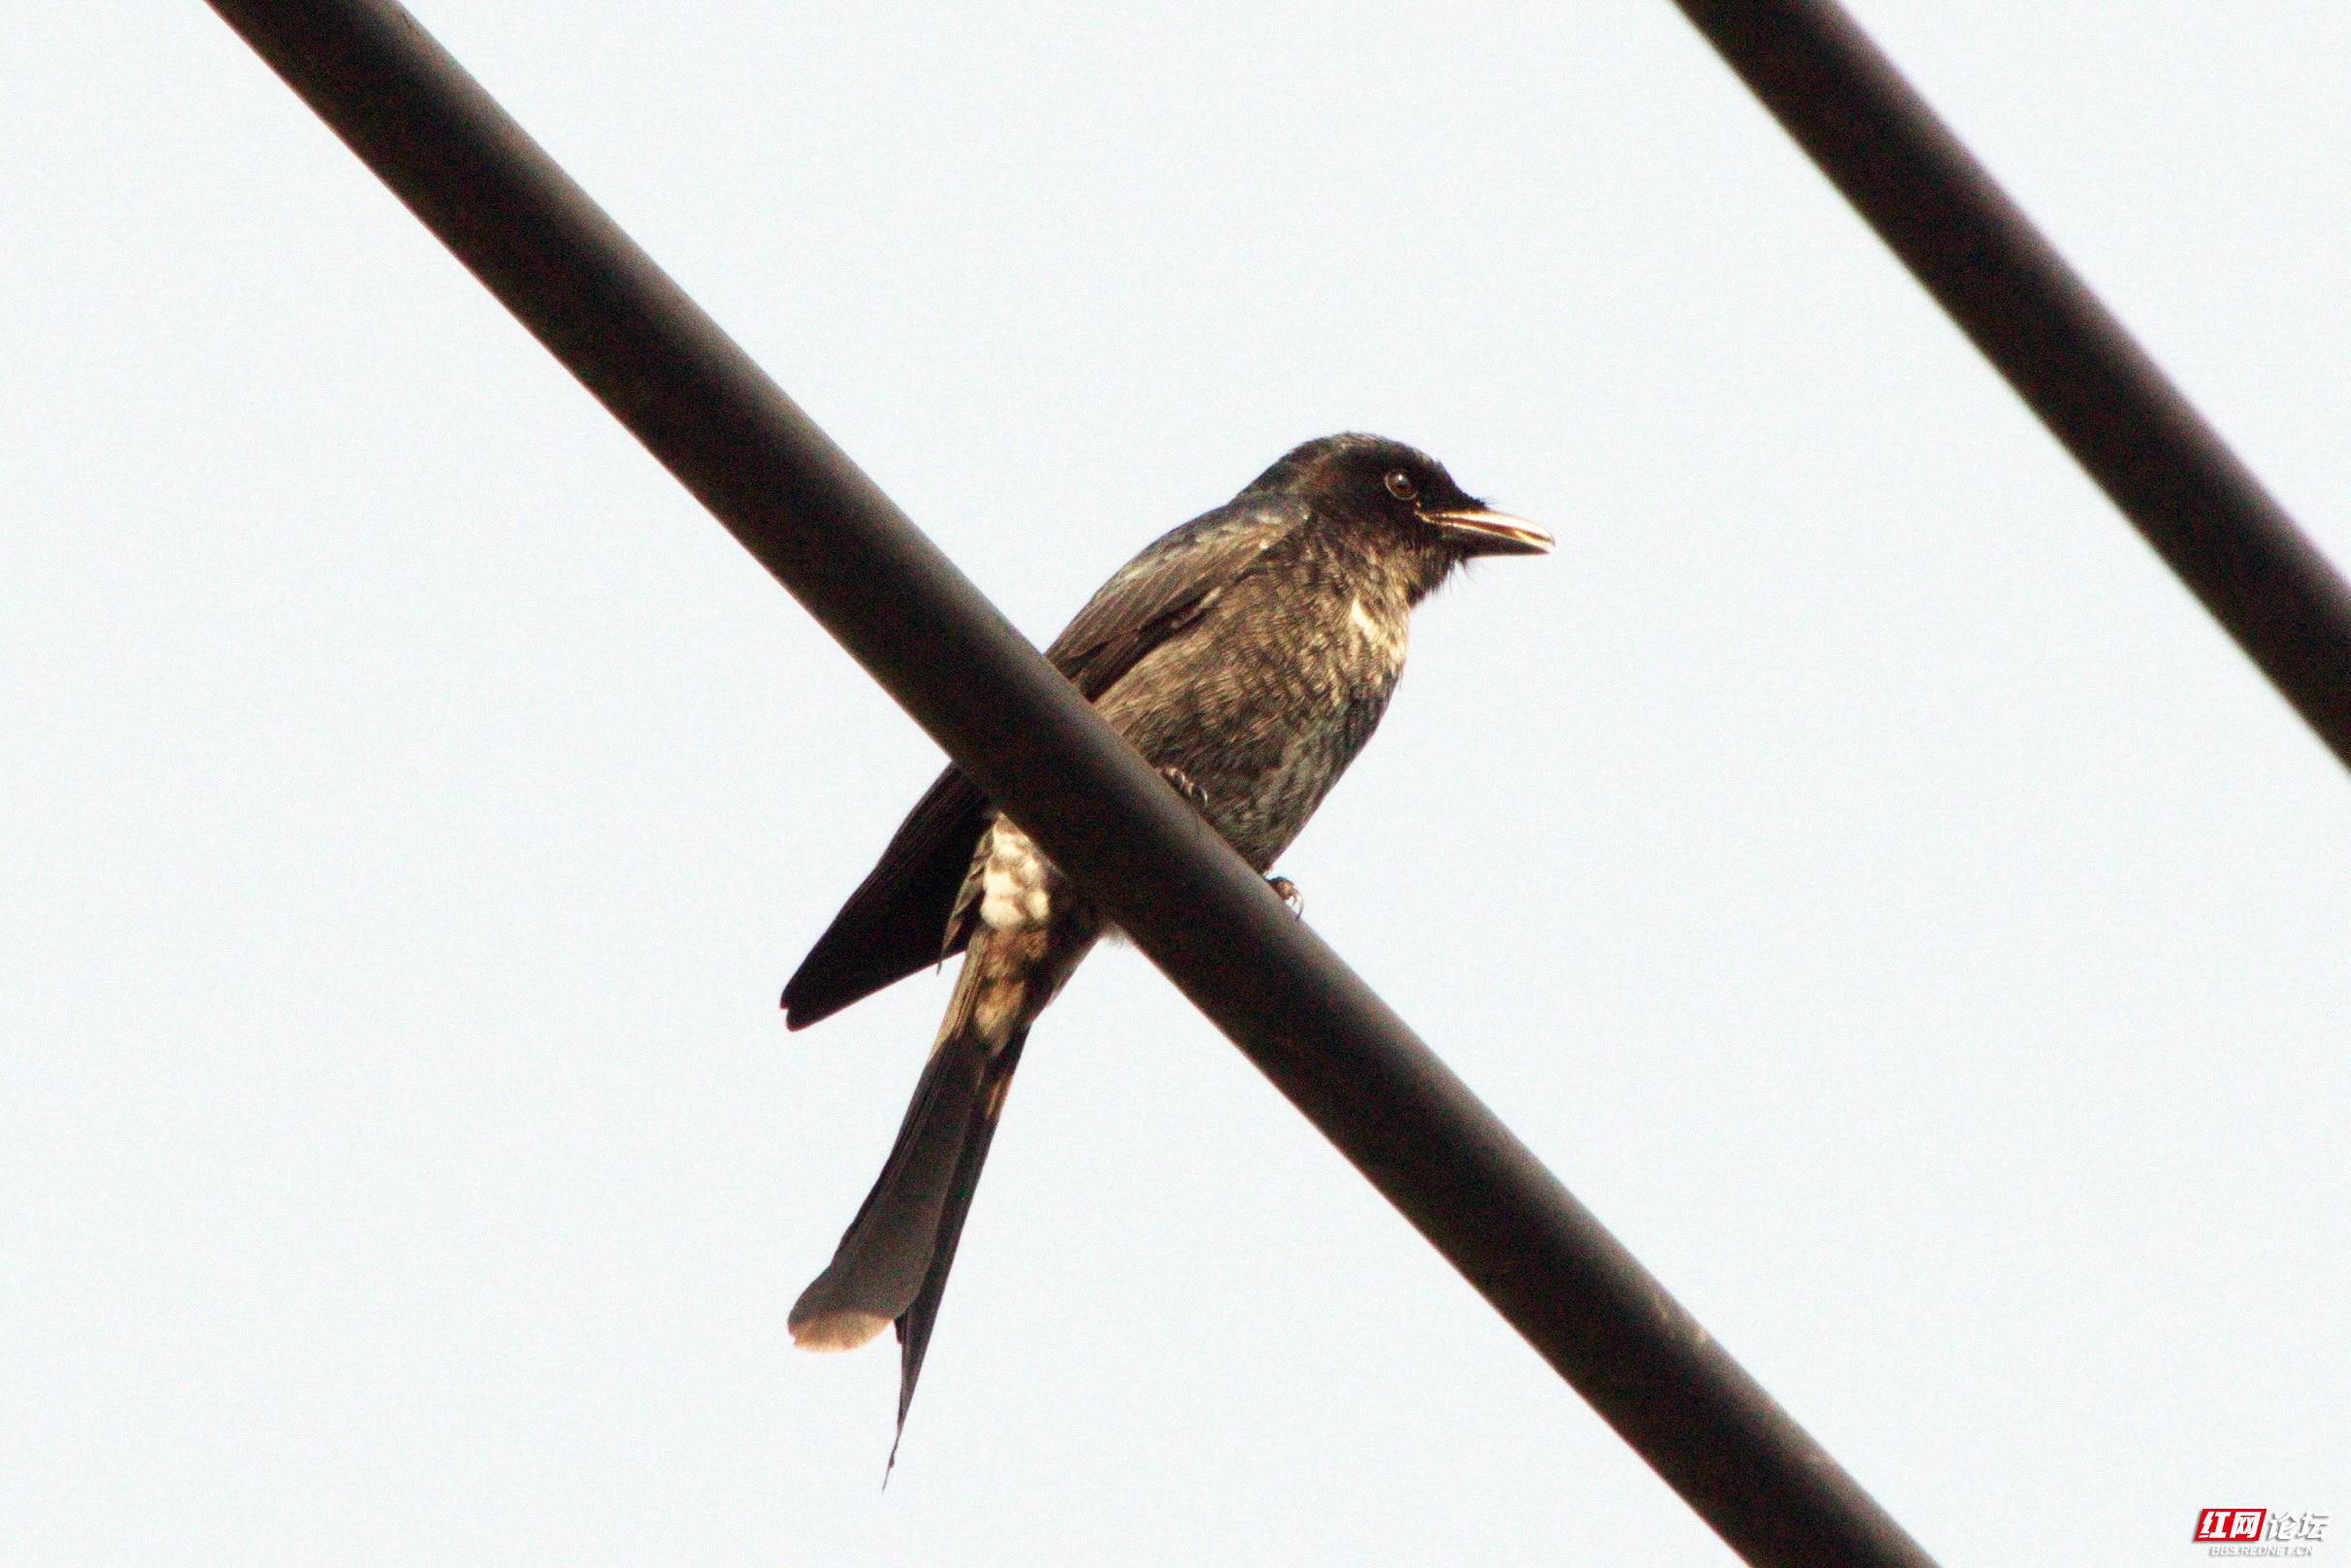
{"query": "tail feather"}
{"type": "Point", "coordinates": [914, 1324]}
{"type": "Point", "coordinates": [891, 1263]}
{"type": "Point", "coordinates": [885, 1255]}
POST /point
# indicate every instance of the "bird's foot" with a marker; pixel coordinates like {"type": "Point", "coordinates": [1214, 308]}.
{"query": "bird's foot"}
{"type": "Point", "coordinates": [1181, 782]}
{"type": "Point", "coordinates": [1287, 891]}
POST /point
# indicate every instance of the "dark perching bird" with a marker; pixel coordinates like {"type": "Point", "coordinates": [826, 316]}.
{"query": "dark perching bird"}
{"type": "Point", "coordinates": [1248, 656]}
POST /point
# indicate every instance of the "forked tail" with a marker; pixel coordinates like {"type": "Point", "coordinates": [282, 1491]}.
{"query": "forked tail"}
{"type": "Point", "coordinates": [892, 1262]}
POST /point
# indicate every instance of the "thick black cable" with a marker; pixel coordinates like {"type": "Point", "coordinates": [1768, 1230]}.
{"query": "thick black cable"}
{"type": "Point", "coordinates": [2042, 329]}
{"type": "Point", "coordinates": [806, 512]}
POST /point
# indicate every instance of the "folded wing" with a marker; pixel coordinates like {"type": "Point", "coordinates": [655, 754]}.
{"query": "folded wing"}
{"type": "Point", "coordinates": [896, 921]}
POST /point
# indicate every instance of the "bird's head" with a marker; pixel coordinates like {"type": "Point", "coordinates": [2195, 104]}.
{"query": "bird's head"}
{"type": "Point", "coordinates": [1373, 480]}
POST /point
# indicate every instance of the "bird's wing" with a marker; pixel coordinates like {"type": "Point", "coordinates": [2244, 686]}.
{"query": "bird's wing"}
{"type": "Point", "coordinates": [896, 921]}
{"type": "Point", "coordinates": [1167, 587]}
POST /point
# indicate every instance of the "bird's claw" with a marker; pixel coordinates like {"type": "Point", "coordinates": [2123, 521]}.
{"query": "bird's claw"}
{"type": "Point", "coordinates": [1181, 782]}
{"type": "Point", "coordinates": [1287, 892]}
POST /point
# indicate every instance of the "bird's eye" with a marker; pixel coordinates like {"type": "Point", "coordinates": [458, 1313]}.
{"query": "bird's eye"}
{"type": "Point", "coordinates": [1401, 485]}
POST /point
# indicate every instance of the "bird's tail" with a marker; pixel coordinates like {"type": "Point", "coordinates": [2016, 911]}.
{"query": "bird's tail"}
{"type": "Point", "coordinates": [892, 1261]}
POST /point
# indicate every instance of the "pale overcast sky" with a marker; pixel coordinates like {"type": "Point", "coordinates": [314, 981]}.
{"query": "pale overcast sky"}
{"type": "Point", "coordinates": [1852, 862]}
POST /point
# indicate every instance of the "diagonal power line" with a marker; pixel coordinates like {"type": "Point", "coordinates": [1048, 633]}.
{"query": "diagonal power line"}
{"type": "Point", "coordinates": [800, 505]}
{"type": "Point", "coordinates": [2062, 351]}
{"type": "Point", "coordinates": [807, 513]}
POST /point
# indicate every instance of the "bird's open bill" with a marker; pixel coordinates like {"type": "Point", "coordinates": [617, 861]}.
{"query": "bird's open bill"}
{"type": "Point", "coordinates": [1491, 532]}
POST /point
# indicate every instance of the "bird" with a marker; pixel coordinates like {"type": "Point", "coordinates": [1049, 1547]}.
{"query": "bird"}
{"type": "Point", "coordinates": [1248, 656]}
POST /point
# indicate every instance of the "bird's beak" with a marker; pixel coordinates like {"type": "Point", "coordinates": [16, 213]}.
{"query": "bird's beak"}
{"type": "Point", "coordinates": [1480, 531]}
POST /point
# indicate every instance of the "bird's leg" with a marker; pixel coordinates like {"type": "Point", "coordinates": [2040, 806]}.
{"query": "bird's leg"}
{"type": "Point", "coordinates": [1288, 893]}
{"type": "Point", "coordinates": [1181, 782]}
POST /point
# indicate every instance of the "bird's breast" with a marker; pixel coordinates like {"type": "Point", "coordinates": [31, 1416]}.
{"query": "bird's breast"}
{"type": "Point", "coordinates": [1382, 631]}
{"type": "Point", "coordinates": [1263, 704]}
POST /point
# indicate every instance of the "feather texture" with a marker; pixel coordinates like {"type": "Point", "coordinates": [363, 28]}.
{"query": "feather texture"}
{"type": "Point", "coordinates": [897, 921]}
{"type": "Point", "coordinates": [1247, 655]}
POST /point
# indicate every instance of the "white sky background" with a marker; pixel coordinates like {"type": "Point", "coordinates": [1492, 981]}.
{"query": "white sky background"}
{"type": "Point", "coordinates": [1852, 862]}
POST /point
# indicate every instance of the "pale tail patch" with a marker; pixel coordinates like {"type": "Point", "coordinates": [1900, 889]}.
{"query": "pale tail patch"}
{"type": "Point", "coordinates": [833, 1331]}
{"type": "Point", "coordinates": [1012, 884]}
